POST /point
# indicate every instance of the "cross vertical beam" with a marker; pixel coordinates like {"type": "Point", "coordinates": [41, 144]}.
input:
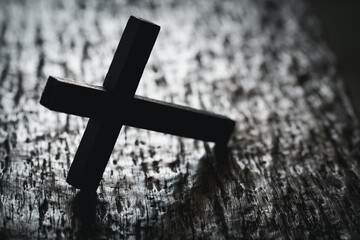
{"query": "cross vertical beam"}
{"type": "Point", "coordinates": [121, 81]}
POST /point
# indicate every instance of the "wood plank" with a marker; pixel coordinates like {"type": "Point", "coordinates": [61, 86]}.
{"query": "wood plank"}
{"type": "Point", "coordinates": [292, 170]}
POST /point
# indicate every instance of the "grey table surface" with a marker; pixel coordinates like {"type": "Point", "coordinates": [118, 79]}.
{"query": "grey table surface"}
{"type": "Point", "coordinates": [292, 167]}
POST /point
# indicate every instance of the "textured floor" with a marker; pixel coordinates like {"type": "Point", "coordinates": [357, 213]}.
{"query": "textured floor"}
{"type": "Point", "coordinates": [292, 169]}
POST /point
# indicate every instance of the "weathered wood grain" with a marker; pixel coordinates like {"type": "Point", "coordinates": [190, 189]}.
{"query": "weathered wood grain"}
{"type": "Point", "coordinates": [292, 170]}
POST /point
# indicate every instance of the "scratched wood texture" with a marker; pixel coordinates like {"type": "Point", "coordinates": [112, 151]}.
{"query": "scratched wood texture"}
{"type": "Point", "coordinates": [292, 168]}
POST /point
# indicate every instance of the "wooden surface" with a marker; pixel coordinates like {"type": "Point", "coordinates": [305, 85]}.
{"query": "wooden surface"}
{"type": "Point", "coordinates": [292, 170]}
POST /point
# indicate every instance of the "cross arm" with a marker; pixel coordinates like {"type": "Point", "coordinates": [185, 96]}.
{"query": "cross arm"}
{"type": "Point", "coordinates": [90, 101]}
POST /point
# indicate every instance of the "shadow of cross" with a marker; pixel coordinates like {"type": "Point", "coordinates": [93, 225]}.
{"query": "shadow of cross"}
{"type": "Point", "coordinates": [114, 104]}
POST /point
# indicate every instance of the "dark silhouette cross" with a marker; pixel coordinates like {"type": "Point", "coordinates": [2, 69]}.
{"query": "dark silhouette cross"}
{"type": "Point", "coordinates": [114, 104]}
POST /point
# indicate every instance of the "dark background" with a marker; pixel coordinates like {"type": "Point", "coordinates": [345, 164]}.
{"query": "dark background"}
{"type": "Point", "coordinates": [341, 29]}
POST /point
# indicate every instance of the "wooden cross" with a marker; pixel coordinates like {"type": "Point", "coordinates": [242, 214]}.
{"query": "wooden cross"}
{"type": "Point", "coordinates": [114, 104]}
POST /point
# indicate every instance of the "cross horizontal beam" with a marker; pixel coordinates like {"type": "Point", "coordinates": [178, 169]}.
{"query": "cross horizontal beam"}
{"type": "Point", "coordinates": [90, 101]}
